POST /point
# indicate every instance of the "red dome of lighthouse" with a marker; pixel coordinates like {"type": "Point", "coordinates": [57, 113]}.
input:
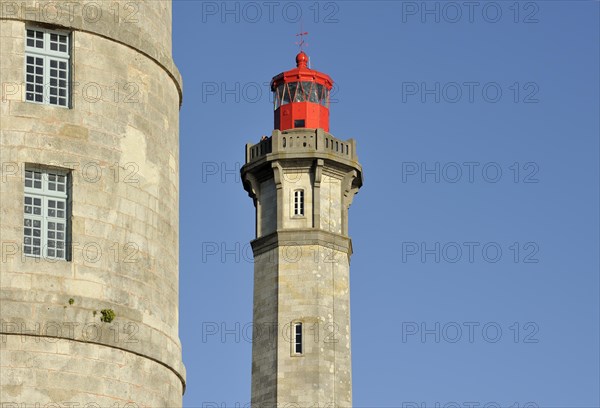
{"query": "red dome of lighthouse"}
{"type": "Point", "coordinates": [301, 97]}
{"type": "Point", "coordinates": [302, 60]}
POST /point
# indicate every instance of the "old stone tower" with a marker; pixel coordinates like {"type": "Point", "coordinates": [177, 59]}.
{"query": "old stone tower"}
{"type": "Point", "coordinates": [302, 181]}
{"type": "Point", "coordinates": [89, 196]}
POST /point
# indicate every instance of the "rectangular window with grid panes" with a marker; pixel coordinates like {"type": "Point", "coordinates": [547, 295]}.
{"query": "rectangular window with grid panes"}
{"type": "Point", "coordinates": [299, 203]}
{"type": "Point", "coordinates": [47, 66]}
{"type": "Point", "coordinates": [46, 213]}
{"type": "Point", "coordinates": [297, 338]}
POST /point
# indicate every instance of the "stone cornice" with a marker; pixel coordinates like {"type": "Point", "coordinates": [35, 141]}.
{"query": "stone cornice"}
{"type": "Point", "coordinates": [298, 237]}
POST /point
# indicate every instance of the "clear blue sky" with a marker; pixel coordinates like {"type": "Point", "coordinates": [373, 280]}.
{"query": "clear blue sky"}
{"type": "Point", "coordinates": [429, 90]}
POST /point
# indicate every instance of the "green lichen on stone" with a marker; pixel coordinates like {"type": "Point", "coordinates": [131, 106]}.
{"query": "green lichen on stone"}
{"type": "Point", "coordinates": [108, 315]}
{"type": "Point", "coordinates": [71, 301]}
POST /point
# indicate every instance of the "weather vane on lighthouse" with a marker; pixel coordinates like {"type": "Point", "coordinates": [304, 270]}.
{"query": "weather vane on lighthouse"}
{"type": "Point", "coordinates": [301, 43]}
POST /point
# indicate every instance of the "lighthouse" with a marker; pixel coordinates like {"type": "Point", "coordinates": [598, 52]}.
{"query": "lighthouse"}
{"type": "Point", "coordinates": [302, 180]}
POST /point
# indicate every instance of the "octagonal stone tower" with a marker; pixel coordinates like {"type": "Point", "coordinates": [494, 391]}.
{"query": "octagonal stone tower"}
{"type": "Point", "coordinates": [89, 197]}
{"type": "Point", "coordinates": [302, 181]}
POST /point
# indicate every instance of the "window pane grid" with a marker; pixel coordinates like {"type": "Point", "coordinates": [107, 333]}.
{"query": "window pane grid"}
{"type": "Point", "coordinates": [47, 67]}
{"type": "Point", "coordinates": [57, 182]}
{"type": "Point", "coordinates": [32, 236]}
{"type": "Point", "coordinates": [45, 214]}
{"type": "Point", "coordinates": [34, 79]}
{"type": "Point", "coordinates": [299, 202]}
{"type": "Point", "coordinates": [298, 338]}
{"type": "Point", "coordinates": [56, 238]}
{"type": "Point", "coordinates": [48, 182]}
{"type": "Point", "coordinates": [47, 42]}
{"type": "Point", "coordinates": [33, 206]}
{"type": "Point", "coordinates": [33, 179]}
{"type": "Point", "coordinates": [58, 42]}
{"type": "Point", "coordinates": [35, 39]}
{"type": "Point", "coordinates": [58, 82]}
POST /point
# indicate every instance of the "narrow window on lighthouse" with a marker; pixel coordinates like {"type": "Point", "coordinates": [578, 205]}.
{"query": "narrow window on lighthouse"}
{"type": "Point", "coordinates": [299, 203]}
{"type": "Point", "coordinates": [297, 338]}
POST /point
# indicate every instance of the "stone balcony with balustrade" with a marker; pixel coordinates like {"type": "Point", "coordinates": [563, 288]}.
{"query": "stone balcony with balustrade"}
{"type": "Point", "coordinates": [303, 143]}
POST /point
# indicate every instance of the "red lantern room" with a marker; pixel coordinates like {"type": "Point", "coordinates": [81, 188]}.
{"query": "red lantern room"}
{"type": "Point", "coordinates": [301, 97]}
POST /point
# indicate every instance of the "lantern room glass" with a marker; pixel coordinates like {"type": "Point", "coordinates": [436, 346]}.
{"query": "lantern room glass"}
{"type": "Point", "coordinates": [305, 91]}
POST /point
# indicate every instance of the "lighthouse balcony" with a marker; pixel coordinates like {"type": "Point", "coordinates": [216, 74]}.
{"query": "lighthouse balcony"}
{"type": "Point", "coordinates": [302, 142]}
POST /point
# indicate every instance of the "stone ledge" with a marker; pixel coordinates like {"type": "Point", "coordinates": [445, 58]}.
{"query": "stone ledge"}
{"type": "Point", "coordinates": [45, 318]}
{"type": "Point", "coordinates": [82, 373]}
{"type": "Point", "coordinates": [299, 237]}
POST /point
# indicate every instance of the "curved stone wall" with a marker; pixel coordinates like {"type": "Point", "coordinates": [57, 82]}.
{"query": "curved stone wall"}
{"type": "Point", "coordinates": [120, 141]}
{"type": "Point", "coordinates": [144, 25]}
